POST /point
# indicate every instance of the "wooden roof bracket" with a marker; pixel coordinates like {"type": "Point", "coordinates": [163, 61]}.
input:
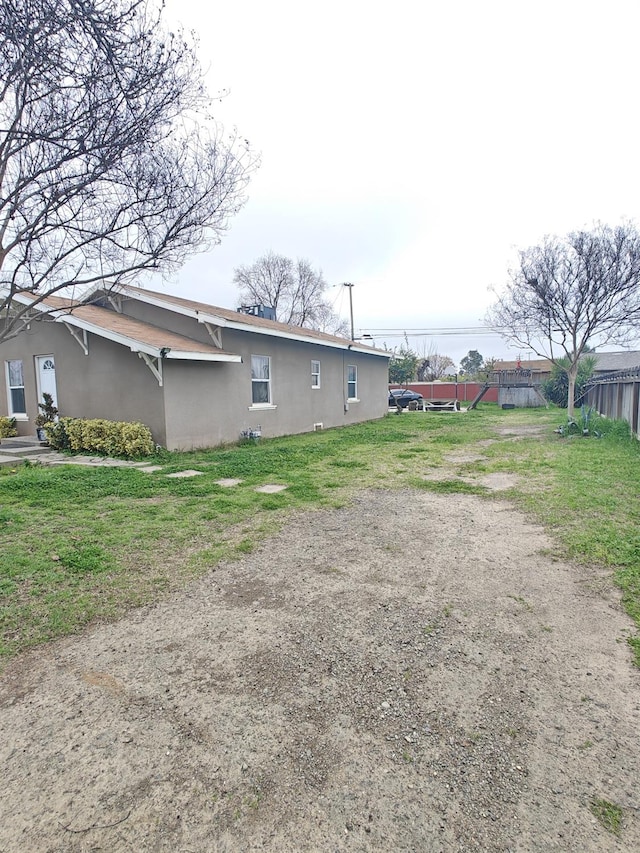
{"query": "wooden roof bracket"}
{"type": "Point", "coordinates": [80, 337]}
{"type": "Point", "coordinates": [154, 365]}
{"type": "Point", "coordinates": [116, 302]}
{"type": "Point", "coordinates": [215, 333]}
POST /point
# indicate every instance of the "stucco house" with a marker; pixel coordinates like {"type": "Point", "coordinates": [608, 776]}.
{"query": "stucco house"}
{"type": "Point", "coordinates": [195, 374]}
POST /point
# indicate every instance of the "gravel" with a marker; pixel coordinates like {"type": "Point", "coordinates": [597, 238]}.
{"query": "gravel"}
{"type": "Point", "coordinates": [413, 672]}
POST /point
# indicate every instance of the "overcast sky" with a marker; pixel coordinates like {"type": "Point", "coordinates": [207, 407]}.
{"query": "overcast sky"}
{"type": "Point", "coordinates": [412, 147]}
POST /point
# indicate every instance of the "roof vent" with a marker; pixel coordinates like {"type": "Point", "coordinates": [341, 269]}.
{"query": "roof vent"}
{"type": "Point", "coordinates": [263, 311]}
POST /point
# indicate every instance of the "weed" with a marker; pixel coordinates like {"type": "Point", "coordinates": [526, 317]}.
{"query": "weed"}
{"type": "Point", "coordinates": [609, 815]}
{"type": "Point", "coordinates": [525, 604]}
{"type": "Point", "coordinates": [450, 487]}
{"type": "Point", "coordinates": [246, 546]}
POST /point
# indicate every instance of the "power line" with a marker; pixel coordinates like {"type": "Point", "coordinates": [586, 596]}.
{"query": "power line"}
{"type": "Point", "coordinates": [435, 332]}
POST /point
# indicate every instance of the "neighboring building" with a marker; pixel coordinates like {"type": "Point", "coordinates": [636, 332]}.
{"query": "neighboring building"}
{"type": "Point", "coordinates": [540, 367]}
{"type": "Point", "coordinates": [195, 374]}
{"type": "Point", "coordinates": [606, 362]}
{"type": "Point", "coordinates": [609, 362]}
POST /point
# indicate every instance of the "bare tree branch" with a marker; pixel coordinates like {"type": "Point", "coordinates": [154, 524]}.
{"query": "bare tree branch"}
{"type": "Point", "coordinates": [571, 292]}
{"type": "Point", "coordinates": [110, 164]}
{"type": "Point", "coordinates": [294, 290]}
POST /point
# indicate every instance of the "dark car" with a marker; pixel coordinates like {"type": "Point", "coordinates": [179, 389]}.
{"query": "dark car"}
{"type": "Point", "coordinates": [403, 396]}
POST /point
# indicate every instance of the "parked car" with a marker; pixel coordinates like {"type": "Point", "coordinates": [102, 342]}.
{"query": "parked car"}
{"type": "Point", "coordinates": [403, 396]}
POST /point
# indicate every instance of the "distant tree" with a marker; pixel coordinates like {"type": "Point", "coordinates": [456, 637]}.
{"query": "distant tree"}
{"type": "Point", "coordinates": [109, 162]}
{"type": "Point", "coordinates": [434, 367]}
{"type": "Point", "coordinates": [472, 363]}
{"type": "Point", "coordinates": [569, 292]}
{"type": "Point", "coordinates": [292, 288]}
{"type": "Point", "coordinates": [556, 388]}
{"type": "Point", "coordinates": [402, 366]}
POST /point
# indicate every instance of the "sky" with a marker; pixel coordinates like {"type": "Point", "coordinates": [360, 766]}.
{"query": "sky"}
{"type": "Point", "coordinates": [411, 148]}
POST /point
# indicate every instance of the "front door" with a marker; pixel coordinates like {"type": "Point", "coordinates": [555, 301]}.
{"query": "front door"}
{"type": "Point", "coordinates": [46, 373]}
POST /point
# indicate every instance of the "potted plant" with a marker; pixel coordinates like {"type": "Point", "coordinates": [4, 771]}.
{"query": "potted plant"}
{"type": "Point", "coordinates": [47, 415]}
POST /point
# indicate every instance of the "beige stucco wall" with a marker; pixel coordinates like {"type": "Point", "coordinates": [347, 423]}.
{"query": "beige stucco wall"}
{"type": "Point", "coordinates": [201, 404]}
{"type": "Point", "coordinates": [210, 403]}
{"type": "Point", "coordinates": [224, 391]}
{"type": "Point", "coordinates": [110, 382]}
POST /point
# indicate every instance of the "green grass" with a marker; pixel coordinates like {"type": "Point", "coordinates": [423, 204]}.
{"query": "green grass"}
{"type": "Point", "coordinates": [79, 544]}
{"type": "Point", "coordinates": [609, 815]}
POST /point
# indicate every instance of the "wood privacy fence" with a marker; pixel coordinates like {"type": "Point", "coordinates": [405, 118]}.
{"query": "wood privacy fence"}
{"type": "Point", "coordinates": [617, 395]}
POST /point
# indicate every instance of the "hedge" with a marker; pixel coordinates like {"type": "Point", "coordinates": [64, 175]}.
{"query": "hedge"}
{"type": "Point", "coordinates": [7, 427]}
{"type": "Point", "coordinates": [96, 435]}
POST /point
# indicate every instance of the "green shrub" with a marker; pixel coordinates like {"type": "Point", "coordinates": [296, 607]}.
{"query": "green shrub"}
{"type": "Point", "coordinates": [556, 388]}
{"type": "Point", "coordinates": [97, 435]}
{"type": "Point", "coordinates": [57, 434]}
{"type": "Point", "coordinates": [8, 427]}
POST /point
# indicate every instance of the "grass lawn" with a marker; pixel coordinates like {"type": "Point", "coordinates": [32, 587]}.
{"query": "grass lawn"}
{"type": "Point", "coordinates": [79, 544]}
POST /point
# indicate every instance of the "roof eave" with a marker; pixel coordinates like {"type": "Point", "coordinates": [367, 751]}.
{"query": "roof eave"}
{"type": "Point", "coordinates": [185, 355]}
{"type": "Point", "coordinates": [238, 325]}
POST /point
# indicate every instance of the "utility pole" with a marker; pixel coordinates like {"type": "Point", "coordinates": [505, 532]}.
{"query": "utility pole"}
{"type": "Point", "coordinates": [350, 286]}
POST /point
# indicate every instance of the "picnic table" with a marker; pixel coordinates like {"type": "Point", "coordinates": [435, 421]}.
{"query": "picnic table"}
{"type": "Point", "coordinates": [442, 405]}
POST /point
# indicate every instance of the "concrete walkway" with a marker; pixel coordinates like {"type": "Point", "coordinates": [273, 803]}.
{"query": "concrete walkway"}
{"type": "Point", "coordinates": [14, 451]}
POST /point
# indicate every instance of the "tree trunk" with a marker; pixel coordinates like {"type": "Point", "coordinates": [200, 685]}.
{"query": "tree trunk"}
{"type": "Point", "coordinates": [572, 374]}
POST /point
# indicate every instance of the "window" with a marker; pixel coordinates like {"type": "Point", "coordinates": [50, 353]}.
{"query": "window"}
{"type": "Point", "coordinates": [352, 382]}
{"type": "Point", "coordinates": [260, 380]}
{"type": "Point", "coordinates": [15, 375]}
{"type": "Point", "coordinates": [315, 374]}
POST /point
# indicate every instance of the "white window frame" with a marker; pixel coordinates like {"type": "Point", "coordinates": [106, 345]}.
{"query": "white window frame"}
{"type": "Point", "coordinates": [14, 413]}
{"type": "Point", "coordinates": [262, 380]}
{"type": "Point", "coordinates": [352, 382]}
{"type": "Point", "coordinates": [315, 373]}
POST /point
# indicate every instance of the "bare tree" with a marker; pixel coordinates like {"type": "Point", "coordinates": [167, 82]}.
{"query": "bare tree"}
{"type": "Point", "coordinates": [292, 288]}
{"type": "Point", "coordinates": [431, 365]}
{"type": "Point", "coordinates": [570, 292]}
{"type": "Point", "coordinates": [110, 163]}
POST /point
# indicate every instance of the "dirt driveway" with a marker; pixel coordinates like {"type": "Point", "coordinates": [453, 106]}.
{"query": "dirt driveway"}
{"type": "Point", "coordinates": [339, 691]}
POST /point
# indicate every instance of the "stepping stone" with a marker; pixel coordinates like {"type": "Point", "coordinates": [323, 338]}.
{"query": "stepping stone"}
{"type": "Point", "coordinates": [227, 483]}
{"type": "Point", "coordinates": [270, 489]}
{"type": "Point", "coordinates": [149, 469]}
{"type": "Point", "coordinates": [188, 473]}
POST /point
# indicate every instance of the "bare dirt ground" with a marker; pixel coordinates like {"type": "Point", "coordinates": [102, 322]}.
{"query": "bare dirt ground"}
{"type": "Point", "coordinates": [339, 689]}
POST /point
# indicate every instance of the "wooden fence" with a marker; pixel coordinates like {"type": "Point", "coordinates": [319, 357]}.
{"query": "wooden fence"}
{"type": "Point", "coordinates": [617, 395]}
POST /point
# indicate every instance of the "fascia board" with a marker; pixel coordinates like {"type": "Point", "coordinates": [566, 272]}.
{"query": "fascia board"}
{"type": "Point", "coordinates": [203, 356]}
{"type": "Point", "coordinates": [159, 302]}
{"type": "Point", "coordinates": [296, 336]}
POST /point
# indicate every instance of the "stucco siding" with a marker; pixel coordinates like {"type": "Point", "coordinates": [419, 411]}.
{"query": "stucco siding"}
{"type": "Point", "coordinates": [201, 403]}
{"type": "Point", "coordinates": [209, 404]}
{"type": "Point", "coordinates": [110, 382]}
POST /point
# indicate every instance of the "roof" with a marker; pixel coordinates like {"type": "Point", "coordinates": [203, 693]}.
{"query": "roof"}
{"type": "Point", "coordinates": [136, 334]}
{"type": "Point", "coordinates": [607, 362]}
{"type": "Point", "coordinates": [206, 313]}
{"type": "Point", "coordinates": [157, 341]}
{"type": "Point", "coordinates": [541, 364]}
